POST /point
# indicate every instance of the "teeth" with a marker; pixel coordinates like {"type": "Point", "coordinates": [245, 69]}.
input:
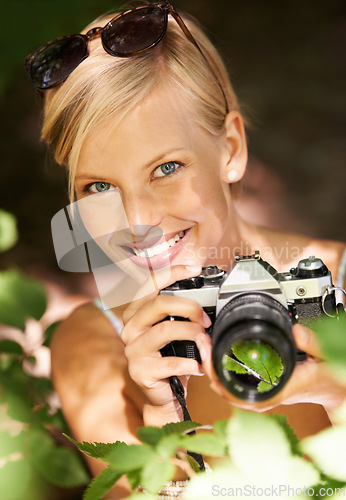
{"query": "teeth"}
{"type": "Point", "coordinates": [157, 249]}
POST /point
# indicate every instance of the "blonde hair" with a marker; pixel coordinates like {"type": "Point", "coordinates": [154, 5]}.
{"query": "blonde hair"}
{"type": "Point", "coordinates": [104, 88]}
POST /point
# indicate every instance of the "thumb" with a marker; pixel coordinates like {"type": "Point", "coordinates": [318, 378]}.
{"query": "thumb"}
{"type": "Point", "coordinates": [306, 341]}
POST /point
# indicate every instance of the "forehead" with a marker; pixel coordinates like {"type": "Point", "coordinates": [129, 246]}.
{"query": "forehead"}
{"type": "Point", "coordinates": [162, 122]}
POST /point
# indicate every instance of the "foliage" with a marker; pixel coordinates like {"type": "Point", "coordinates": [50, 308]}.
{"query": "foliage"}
{"type": "Point", "coordinates": [249, 445]}
{"type": "Point", "coordinates": [332, 340]}
{"type": "Point", "coordinates": [29, 449]}
{"type": "Point", "coordinates": [255, 453]}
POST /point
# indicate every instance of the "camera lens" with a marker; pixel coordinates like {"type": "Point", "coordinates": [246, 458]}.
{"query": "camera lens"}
{"type": "Point", "coordinates": [254, 352]}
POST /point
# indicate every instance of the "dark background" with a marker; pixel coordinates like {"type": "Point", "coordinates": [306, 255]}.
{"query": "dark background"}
{"type": "Point", "coordinates": [287, 63]}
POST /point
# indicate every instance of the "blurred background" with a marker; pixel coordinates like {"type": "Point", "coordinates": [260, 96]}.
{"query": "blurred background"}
{"type": "Point", "coordinates": [287, 61]}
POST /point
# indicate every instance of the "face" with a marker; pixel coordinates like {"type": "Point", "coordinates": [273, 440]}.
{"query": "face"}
{"type": "Point", "coordinates": [150, 189]}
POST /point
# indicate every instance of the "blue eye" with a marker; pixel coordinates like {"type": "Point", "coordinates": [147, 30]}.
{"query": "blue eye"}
{"type": "Point", "coordinates": [100, 187]}
{"type": "Point", "coordinates": [166, 169]}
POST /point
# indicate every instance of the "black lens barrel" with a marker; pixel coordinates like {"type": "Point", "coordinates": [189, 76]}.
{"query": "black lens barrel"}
{"type": "Point", "coordinates": [258, 317]}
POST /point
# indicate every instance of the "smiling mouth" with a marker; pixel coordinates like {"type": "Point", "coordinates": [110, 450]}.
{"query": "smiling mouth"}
{"type": "Point", "coordinates": [157, 249]}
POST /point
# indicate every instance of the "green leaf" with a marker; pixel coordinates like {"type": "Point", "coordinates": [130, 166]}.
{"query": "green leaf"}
{"type": "Point", "coordinates": [11, 444]}
{"type": "Point", "coordinates": [20, 298]}
{"type": "Point", "coordinates": [42, 386]}
{"type": "Point", "coordinates": [101, 484]}
{"type": "Point", "coordinates": [61, 467]}
{"type": "Point", "coordinates": [329, 484]}
{"type": "Point", "coordinates": [206, 443]}
{"type": "Point", "coordinates": [6, 361]}
{"type": "Point", "coordinates": [220, 428]}
{"type": "Point", "coordinates": [8, 230]}
{"type": "Point", "coordinates": [168, 445]}
{"type": "Point", "coordinates": [180, 427]}
{"type": "Point", "coordinates": [15, 480]}
{"type": "Point", "coordinates": [264, 386]}
{"type": "Point", "coordinates": [129, 457]}
{"type": "Point", "coordinates": [150, 435]}
{"type": "Point", "coordinates": [193, 463]}
{"type": "Point", "coordinates": [328, 450]}
{"type": "Point", "coordinates": [134, 478]}
{"type": "Point", "coordinates": [20, 406]}
{"type": "Point", "coordinates": [155, 474]}
{"type": "Point", "coordinates": [261, 453]}
{"type": "Point", "coordinates": [259, 359]}
{"type": "Point", "coordinates": [97, 450]}
{"type": "Point", "coordinates": [233, 366]}
{"type": "Point", "coordinates": [10, 346]}
{"type": "Point", "coordinates": [290, 434]}
{"type": "Point", "coordinates": [39, 440]}
{"type": "Point", "coordinates": [331, 336]}
{"type": "Point", "coordinates": [57, 464]}
{"type": "Point", "coordinates": [58, 421]}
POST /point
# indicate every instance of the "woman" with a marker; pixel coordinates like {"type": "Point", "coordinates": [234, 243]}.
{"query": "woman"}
{"type": "Point", "coordinates": [159, 134]}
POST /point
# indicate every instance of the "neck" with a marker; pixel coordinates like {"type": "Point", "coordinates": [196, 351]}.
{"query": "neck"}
{"type": "Point", "coordinates": [238, 239]}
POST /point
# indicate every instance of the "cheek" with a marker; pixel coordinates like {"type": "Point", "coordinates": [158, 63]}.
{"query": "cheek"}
{"type": "Point", "coordinates": [103, 215]}
{"type": "Point", "coordinates": [211, 198]}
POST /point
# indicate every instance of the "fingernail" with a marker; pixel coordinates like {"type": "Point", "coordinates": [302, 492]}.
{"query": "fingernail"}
{"type": "Point", "coordinates": [204, 353]}
{"type": "Point", "coordinates": [194, 269]}
{"type": "Point", "coordinates": [207, 320]}
{"type": "Point", "coordinates": [200, 373]}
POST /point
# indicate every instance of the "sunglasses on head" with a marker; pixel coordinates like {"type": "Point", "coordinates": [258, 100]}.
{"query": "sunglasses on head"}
{"type": "Point", "coordinates": [127, 34]}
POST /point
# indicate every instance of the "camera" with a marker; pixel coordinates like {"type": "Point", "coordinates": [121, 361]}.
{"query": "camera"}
{"type": "Point", "coordinates": [252, 308]}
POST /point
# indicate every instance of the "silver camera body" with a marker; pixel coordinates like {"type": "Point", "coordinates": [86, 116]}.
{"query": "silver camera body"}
{"type": "Point", "coordinates": [253, 303]}
{"type": "Point", "coordinates": [306, 291]}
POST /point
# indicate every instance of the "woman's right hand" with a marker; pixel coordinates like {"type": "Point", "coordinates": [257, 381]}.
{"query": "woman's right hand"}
{"type": "Point", "coordinates": [146, 331]}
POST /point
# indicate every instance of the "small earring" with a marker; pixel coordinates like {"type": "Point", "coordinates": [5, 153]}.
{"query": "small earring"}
{"type": "Point", "coordinates": [232, 175]}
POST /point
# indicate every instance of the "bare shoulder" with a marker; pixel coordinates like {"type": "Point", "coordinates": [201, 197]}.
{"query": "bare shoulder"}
{"type": "Point", "coordinates": [89, 368]}
{"type": "Point", "coordinates": [83, 338]}
{"type": "Point", "coordinates": [99, 400]}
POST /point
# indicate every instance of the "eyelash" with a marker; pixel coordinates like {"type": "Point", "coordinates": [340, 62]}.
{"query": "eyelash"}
{"type": "Point", "coordinates": [87, 188]}
{"type": "Point", "coordinates": [177, 169]}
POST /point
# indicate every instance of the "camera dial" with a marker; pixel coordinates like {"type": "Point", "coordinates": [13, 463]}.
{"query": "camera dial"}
{"type": "Point", "coordinates": [252, 307]}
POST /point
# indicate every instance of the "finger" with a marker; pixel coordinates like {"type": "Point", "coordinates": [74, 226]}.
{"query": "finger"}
{"type": "Point", "coordinates": [163, 333]}
{"type": "Point", "coordinates": [162, 279]}
{"type": "Point", "coordinates": [163, 368]}
{"type": "Point", "coordinates": [158, 309]}
{"type": "Point", "coordinates": [306, 340]}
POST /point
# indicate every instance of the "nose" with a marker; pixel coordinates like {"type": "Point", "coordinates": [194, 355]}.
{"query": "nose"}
{"type": "Point", "coordinates": [143, 212]}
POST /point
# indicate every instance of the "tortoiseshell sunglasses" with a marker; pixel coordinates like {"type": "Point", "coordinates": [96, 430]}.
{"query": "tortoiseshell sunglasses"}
{"type": "Point", "coordinates": [127, 34]}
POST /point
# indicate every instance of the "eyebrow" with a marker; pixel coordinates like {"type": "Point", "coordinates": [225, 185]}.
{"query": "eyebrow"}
{"type": "Point", "coordinates": [156, 160]}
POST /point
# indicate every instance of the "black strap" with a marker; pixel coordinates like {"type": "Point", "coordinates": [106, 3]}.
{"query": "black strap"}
{"type": "Point", "coordinates": [178, 390]}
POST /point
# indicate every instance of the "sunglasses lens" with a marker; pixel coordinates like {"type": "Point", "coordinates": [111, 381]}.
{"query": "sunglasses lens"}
{"type": "Point", "coordinates": [134, 31]}
{"type": "Point", "coordinates": [54, 62]}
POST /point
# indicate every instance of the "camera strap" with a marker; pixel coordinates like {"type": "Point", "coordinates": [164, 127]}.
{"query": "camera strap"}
{"type": "Point", "coordinates": [178, 391]}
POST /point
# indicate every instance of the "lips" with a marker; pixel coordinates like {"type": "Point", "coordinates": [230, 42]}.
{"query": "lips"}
{"type": "Point", "coordinates": [159, 254]}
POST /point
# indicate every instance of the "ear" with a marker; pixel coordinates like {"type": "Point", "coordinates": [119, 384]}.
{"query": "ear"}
{"type": "Point", "coordinates": [235, 149]}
